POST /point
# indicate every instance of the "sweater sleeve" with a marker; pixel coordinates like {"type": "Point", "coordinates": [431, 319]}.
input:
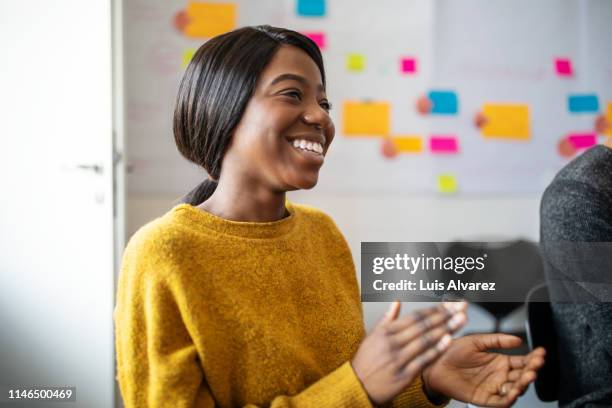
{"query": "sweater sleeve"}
{"type": "Point", "coordinates": [158, 364]}
{"type": "Point", "coordinates": [414, 397]}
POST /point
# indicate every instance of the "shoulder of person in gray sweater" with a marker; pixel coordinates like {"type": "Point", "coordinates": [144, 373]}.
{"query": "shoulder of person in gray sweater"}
{"type": "Point", "coordinates": [577, 207]}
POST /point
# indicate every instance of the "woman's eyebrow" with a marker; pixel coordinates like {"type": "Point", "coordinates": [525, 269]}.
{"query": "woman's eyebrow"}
{"type": "Point", "coordinates": [293, 77]}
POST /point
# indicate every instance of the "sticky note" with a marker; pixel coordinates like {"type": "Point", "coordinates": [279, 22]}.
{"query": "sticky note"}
{"type": "Point", "coordinates": [408, 65]}
{"type": "Point", "coordinates": [355, 62]}
{"type": "Point", "coordinates": [609, 119]}
{"type": "Point", "coordinates": [447, 183]}
{"type": "Point", "coordinates": [408, 144]}
{"type": "Point", "coordinates": [187, 56]}
{"type": "Point", "coordinates": [587, 103]}
{"type": "Point", "coordinates": [311, 8]}
{"type": "Point", "coordinates": [207, 20]}
{"type": "Point", "coordinates": [366, 118]}
{"type": "Point", "coordinates": [510, 121]}
{"type": "Point", "coordinates": [443, 144]}
{"type": "Point", "coordinates": [582, 140]}
{"type": "Point", "coordinates": [563, 66]}
{"type": "Point", "coordinates": [318, 38]}
{"type": "Point", "coordinates": [444, 102]}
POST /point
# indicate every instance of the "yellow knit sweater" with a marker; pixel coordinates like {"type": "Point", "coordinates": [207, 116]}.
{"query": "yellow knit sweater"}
{"type": "Point", "coordinates": [212, 312]}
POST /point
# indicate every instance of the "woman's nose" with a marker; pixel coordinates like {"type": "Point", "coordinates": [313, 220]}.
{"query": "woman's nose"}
{"type": "Point", "coordinates": [317, 117]}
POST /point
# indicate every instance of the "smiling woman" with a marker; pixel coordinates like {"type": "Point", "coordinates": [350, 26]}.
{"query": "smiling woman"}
{"type": "Point", "coordinates": [275, 118]}
{"type": "Point", "coordinates": [237, 297]}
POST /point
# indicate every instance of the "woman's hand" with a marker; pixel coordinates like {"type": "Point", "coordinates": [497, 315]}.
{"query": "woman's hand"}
{"type": "Point", "coordinates": [398, 349]}
{"type": "Point", "coordinates": [468, 372]}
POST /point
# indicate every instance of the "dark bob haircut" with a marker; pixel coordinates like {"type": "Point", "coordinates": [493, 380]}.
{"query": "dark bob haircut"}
{"type": "Point", "coordinates": [215, 90]}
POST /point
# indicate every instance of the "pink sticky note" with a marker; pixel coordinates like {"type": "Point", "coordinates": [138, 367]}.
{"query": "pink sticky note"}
{"type": "Point", "coordinates": [443, 144]}
{"type": "Point", "coordinates": [318, 38]}
{"type": "Point", "coordinates": [582, 140]}
{"type": "Point", "coordinates": [563, 66]}
{"type": "Point", "coordinates": [408, 65]}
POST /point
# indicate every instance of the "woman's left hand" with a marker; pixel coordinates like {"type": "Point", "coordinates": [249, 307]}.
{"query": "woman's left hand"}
{"type": "Point", "coordinates": [468, 372]}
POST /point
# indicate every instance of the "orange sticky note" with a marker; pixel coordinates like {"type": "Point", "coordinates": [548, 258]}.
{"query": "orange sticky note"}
{"type": "Point", "coordinates": [609, 119]}
{"type": "Point", "coordinates": [408, 144]}
{"type": "Point", "coordinates": [366, 118]}
{"type": "Point", "coordinates": [447, 183]}
{"type": "Point", "coordinates": [505, 120]}
{"type": "Point", "coordinates": [207, 20]}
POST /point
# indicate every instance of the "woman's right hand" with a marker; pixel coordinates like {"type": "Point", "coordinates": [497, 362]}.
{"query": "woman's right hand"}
{"type": "Point", "coordinates": [398, 349]}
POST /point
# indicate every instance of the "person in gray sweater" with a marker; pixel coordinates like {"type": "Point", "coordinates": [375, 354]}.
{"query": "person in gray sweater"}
{"type": "Point", "coordinates": [576, 243]}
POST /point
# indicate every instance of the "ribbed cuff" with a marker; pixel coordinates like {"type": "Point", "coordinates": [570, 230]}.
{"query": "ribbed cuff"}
{"type": "Point", "coordinates": [415, 397]}
{"type": "Point", "coordinates": [340, 388]}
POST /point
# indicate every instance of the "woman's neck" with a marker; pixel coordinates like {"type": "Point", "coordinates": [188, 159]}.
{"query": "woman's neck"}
{"type": "Point", "coordinates": [241, 203]}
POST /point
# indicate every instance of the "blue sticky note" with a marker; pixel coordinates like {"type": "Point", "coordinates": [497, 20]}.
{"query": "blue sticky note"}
{"type": "Point", "coordinates": [311, 8]}
{"type": "Point", "coordinates": [583, 103]}
{"type": "Point", "coordinates": [444, 102]}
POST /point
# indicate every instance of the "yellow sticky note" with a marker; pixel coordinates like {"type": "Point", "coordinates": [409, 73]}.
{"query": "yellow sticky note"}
{"type": "Point", "coordinates": [609, 119]}
{"type": "Point", "coordinates": [355, 62]}
{"type": "Point", "coordinates": [187, 56]}
{"type": "Point", "coordinates": [504, 120]}
{"type": "Point", "coordinates": [408, 144]}
{"type": "Point", "coordinates": [207, 20]}
{"type": "Point", "coordinates": [366, 118]}
{"type": "Point", "coordinates": [447, 183]}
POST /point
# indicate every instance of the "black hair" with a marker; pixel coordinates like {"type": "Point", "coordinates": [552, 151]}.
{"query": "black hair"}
{"type": "Point", "coordinates": [215, 90]}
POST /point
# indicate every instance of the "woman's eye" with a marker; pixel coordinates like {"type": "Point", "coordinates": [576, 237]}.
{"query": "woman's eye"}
{"type": "Point", "coordinates": [294, 94]}
{"type": "Point", "coordinates": [325, 105]}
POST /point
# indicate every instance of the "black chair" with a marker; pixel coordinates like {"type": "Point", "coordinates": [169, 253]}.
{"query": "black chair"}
{"type": "Point", "coordinates": [517, 266]}
{"type": "Point", "coordinates": [541, 333]}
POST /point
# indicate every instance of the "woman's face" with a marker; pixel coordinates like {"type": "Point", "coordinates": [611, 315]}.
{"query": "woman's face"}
{"type": "Point", "coordinates": [282, 138]}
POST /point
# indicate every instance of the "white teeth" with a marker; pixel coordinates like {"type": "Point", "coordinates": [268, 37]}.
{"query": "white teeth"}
{"type": "Point", "coordinates": [306, 145]}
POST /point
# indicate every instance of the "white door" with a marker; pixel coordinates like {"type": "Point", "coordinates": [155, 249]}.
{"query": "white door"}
{"type": "Point", "coordinates": [56, 198]}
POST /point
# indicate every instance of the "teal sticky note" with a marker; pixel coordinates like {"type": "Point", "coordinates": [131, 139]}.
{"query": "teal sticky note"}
{"type": "Point", "coordinates": [311, 8]}
{"type": "Point", "coordinates": [444, 102]}
{"type": "Point", "coordinates": [583, 103]}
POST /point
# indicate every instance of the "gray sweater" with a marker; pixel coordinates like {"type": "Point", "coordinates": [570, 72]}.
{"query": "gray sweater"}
{"type": "Point", "coordinates": [577, 207]}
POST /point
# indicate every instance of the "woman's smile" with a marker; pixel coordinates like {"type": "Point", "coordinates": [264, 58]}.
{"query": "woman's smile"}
{"type": "Point", "coordinates": [309, 147]}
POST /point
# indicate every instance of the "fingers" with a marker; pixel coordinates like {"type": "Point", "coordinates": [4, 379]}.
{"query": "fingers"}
{"type": "Point", "coordinates": [427, 318]}
{"type": "Point", "coordinates": [518, 388]}
{"type": "Point", "coordinates": [497, 341]}
{"type": "Point", "coordinates": [415, 317]}
{"type": "Point", "coordinates": [429, 330]}
{"type": "Point", "coordinates": [523, 374]}
{"type": "Point", "coordinates": [504, 398]}
{"type": "Point", "coordinates": [432, 342]}
{"type": "Point", "coordinates": [534, 360]}
{"type": "Point", "coordinates": [419, 358]}
{"type": "Point", "coordinates": [393, 311]}
{"type": "Point", "coordinates": [531, 364]}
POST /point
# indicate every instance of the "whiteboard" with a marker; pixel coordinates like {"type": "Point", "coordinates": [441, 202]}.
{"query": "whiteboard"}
{"type": "Point", "coordinates": [485, 51]}
{"type": "Point", "coordinates": [503, 51]}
